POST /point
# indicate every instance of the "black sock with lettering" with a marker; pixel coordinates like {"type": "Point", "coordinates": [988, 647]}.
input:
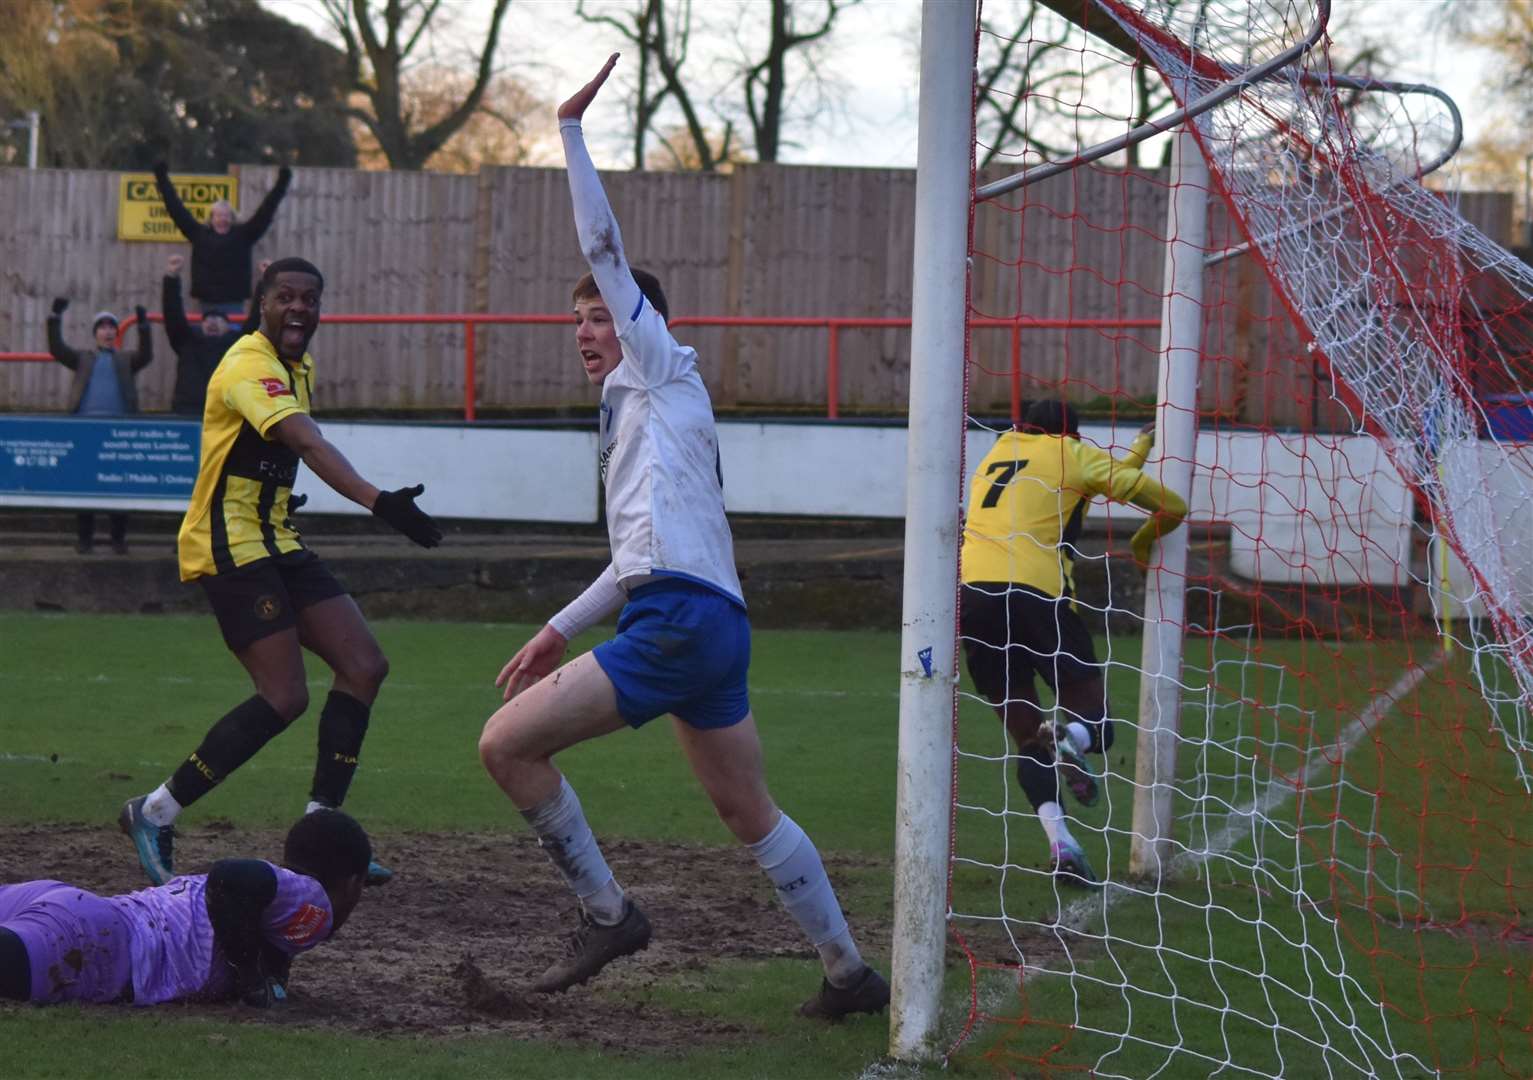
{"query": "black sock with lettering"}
{"type": "Point", "coordinates": [342, 726]}
{"type": "Point", "coordinates": [15, 968]}
{"type": "Point", "coordinates": [230, 743]}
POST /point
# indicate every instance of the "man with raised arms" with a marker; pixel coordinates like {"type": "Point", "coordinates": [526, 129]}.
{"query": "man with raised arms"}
{"type": "Point", "coordinates": [683, 640]}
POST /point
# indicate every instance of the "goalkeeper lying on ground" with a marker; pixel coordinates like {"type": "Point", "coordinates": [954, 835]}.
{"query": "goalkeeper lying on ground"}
{"type": "Point", "coordinates": [230, 933]}
{"type": "Point", "coordinates": [1018, 613]}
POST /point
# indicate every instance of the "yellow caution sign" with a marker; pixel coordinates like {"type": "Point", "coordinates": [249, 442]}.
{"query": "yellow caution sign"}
{"type": "Point", "coordinates": [141, 213]}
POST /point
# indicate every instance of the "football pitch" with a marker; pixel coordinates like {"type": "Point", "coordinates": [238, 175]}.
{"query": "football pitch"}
{"type": "Point", "coordinates": [423, 981]}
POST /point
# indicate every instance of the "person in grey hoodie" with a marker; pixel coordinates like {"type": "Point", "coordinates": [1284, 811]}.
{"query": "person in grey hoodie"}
{"type": "Point", "coordinates": [102, 386]}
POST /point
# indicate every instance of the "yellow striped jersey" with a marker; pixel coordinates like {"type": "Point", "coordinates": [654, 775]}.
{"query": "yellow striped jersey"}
{"type": "Point", "coordinates": [1026, 504]}
{"type": "Point", "coordinates": [238, 511]}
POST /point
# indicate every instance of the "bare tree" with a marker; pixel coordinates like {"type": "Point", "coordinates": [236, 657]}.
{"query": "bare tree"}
{"type": "Point", "coordinates": [663, 36]}
{"type": "Point", "coordinates": [510, 127]}
{"type": "Point", "coordinates": [766, 81]}
{"type": "Point", "coordinates": [381, 47]}
{"type": "Point", "coordinates": [690, 98]}
{"type": "Point", "coordinates": [636, 25]}
{"type": "Point", "coordinates": [1016, 75]}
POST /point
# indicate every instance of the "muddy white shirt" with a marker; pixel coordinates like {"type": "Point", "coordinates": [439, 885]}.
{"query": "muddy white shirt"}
{"type": "Point", "coordinates": [660, 463]}
{"type": "Point", "coordinates": [659, 445]}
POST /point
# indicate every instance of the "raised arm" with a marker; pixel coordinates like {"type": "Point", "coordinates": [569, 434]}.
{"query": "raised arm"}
{"type": "Point", "coordinates": [177, 329]}
{"type": "Point", "coordinates": [260, 221]}
{"type": "Point", "coordinates": [595, 224]}
{"type": "Point", "coordinates": [61, 352]}
{"type": "Point", "coordinates": [177, 210]}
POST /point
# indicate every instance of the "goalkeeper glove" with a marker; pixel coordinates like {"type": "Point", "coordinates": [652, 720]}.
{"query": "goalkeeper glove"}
{"type": "Point", "coordinates": [294, 504]}
{"type": "Point", "coordinates": [398, 509]}
{"type": "Point", "coordinates": [59, 304]}
{"type": "Point", "coordinates": [253, 987]}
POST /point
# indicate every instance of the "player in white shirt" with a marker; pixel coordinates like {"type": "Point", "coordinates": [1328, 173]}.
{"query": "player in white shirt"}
{"type": "Point", "coordinates": [683, 640]}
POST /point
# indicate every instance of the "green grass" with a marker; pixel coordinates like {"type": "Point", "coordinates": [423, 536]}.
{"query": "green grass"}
{"type": "Point", "coordinates": [1221, 965]}
{"type": "Point", "coordinates": [1412, 850]}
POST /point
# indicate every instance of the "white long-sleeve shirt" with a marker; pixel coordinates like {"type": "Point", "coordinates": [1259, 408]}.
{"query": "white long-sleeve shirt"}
{"type": "Point", "coordinates": [659, 444]}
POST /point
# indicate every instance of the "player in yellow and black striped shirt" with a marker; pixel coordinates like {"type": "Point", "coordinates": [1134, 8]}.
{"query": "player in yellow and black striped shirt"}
{"type": "Point", "coordinates": [272, 597]}
{"type": "Point", "coordinates": [1018, 615]}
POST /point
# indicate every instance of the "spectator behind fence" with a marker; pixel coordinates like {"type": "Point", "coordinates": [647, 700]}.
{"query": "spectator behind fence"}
{"type": "Point", "coordinates": [102, 386]}
{"type": "Point", "coordinates": [221, 249]}
{"type": "Point", "coordinates": [198, 350]}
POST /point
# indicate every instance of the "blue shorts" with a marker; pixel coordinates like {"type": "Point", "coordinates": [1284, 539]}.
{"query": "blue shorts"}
{"type": "Point", "coordinates": [681, 648]}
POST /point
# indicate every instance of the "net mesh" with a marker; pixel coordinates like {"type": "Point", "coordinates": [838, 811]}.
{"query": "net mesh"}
{"type": "Point", "coordinates": [1351, 816]}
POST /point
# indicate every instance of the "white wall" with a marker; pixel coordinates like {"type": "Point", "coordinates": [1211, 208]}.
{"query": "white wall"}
{"type": "Point", "coordinates": [1316, 508]}
{"type": "Point", "coordinates": [486, 473]}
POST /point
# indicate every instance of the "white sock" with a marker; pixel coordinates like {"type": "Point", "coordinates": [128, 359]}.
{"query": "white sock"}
{"type": "Point", "coordinates": [1080, 736]}
{"type": "Point", "coordinates": [1053, 820]}
{"type": "Point", "coordinates": [789, 858]}
{"type": "Point", "coordinates": [562, 831]}
{"type": "Point", "coordinates": [160, 807]}
{"type": "Point", "coordinates": [313, 806]}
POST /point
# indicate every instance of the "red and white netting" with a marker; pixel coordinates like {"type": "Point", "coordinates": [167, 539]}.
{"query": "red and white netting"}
{"type": "Point", "coordinates": [1353, 805]}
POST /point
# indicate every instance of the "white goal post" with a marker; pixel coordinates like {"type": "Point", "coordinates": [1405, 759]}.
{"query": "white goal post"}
{"type": "Point", "coordinates": [929, 638]}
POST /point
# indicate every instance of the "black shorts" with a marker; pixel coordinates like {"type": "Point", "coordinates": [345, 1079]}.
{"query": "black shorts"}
{"type": "Point", "coordinates": [1012, 632]}
{"type": "Point", "coordinates": [263, 598]}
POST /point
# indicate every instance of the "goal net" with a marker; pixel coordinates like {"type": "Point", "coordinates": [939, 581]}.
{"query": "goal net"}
{"type": "Point", "coordinates": [1314, 829]}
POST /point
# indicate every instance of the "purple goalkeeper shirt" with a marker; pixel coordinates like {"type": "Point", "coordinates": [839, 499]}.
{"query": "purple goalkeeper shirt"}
{"type": "Point", "coordinates": [173, 951]}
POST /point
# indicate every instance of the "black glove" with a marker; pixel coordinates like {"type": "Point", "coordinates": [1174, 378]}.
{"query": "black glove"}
{"type": "Point", "coordinates": [284, 174]}
{"type": "Point", "coordinates": [141, 313]}
{"type": "Point", "coordinates": [294, 503]}
{"type": "Point", "coordinates": [161, 169]}
{"type": "Point", "coordinates": [399, 510]}
{"type": "Point", "coordinates": [253, 987]}
{"type": "Point", "coordinates": [59, 304]}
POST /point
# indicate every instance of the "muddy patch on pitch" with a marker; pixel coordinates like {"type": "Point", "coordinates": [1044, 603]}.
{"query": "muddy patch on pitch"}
{"type": "Point", "coordinates": [449, 946]}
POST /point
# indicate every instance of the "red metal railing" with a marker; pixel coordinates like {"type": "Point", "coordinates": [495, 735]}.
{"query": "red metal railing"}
{"type": "Point", "coordinates": [833, 325]}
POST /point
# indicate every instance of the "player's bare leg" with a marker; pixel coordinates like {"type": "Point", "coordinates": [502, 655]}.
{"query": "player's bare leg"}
{"type": "Point", "coordinates": [573, 704]}
{"type": "Point", "coordinates": [728, 763]}
{"type": "Point", "coordinates": [275, 665]}
{"type": "Point", "coordinates": [336, 632]}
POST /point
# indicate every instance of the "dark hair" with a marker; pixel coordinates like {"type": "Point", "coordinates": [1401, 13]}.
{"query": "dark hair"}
{"type": "Point", "coordinates": [649, 285]}
{"type": "Point", "coordinates": [329, 846]}
{"type": "Point", "coordinates": [292, 263]}
{"type": "Point", "coordinates": [1052, 418]}
{"type": "Point", "coordinates": [289, 263]}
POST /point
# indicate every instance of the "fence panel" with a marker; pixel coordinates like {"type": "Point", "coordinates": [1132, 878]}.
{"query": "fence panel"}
{"type": "Point", "coordinates": [765, 240]}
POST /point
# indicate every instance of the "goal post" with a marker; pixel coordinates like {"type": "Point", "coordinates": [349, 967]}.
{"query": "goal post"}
{"type": "Point", "coordinates": [1176, 434]}
{"type": "Point", "coordinates": [934, 464]}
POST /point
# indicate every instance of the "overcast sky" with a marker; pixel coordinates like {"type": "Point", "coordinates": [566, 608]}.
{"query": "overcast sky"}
{"type": "Point", "coordinates": [873, 63]}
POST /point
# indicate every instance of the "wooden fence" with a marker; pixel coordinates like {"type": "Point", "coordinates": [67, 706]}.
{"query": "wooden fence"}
{"type": "Point", "coordinates": [767, 240]}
